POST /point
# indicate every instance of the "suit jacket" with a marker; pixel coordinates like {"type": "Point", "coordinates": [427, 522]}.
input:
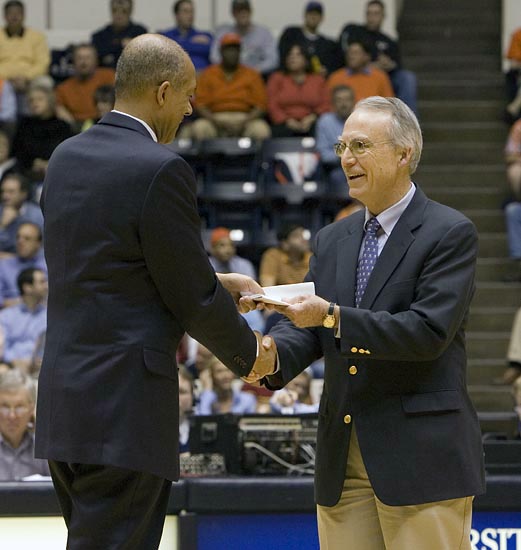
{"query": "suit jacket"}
{"type": "Point", "coordinates": [418, 432]}
{"type": "Point", "coordinates": [128, 275]}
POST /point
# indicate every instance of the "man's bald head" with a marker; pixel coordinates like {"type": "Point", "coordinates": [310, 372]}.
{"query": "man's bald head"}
{"type": "Point", "coordinates": [146, 62]}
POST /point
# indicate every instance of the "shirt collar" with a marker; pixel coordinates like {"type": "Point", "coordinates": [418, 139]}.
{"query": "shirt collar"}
{"type": "Point", "coordinates": [150, 131]}
{"type": "Point", "coordinates": [27, 440]}
{"type": "Point", "coordinates": [389, 217]}
{"type": "Point", "coordinates": [11, 34]}
{"type": "Point", "coordinates": [367, 70]}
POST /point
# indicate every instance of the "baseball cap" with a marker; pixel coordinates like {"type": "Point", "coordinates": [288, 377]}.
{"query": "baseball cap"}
{"type": "Point", "coordinates": [314, 6]}
{"type": "Point", "coordinates": [218, 234]}
{"type": "Point", "coordinates": [230, 39]}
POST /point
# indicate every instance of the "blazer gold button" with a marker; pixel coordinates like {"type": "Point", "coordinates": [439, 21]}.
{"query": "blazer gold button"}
{"type": "Point", "coordinates": [353, 370]}
{"type": "Point", "coordinates": [367, 352]}
{"type": "Point", "coordinates": [354, 350]}
{"type": "Point", "coordinates": [347, 419]}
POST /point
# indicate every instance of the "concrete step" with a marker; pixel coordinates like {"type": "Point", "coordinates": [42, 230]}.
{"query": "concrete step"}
{"type": "Point", "coordinates": [497, 294]}
{"type": "Point", "coordinates": [487, 345]}
{"type": "Point", "coordinates": [461, 154]}
{"type": "Point", "coordinates": [451, 30]}
{"type": "Point", "coordinates": [460, 175]}
{"type": "Point", "coordinates": [467, 197]}
{"type": "Point", "coordinates": [492, 269]}
{"type": "Point", "coordinates": [442, 64]}
{"type": "Point", "coordinates": [460, 89]}
{"type": "Point", "coordinates": [495, 319]}
{"type": "Point", "coordinates": [487, 221]}
{"type": "Point", "coordinates": [461, 111]}
{"type": "Point", "coordinates": [491, 398]}
{"type": "Point", "coordinates": [464, 131]}
{"type": "Point", "coordinates": [418, 14]}
{"type": "Point", "coordinates": [483, 371]}
{"type": "Point", "coordinates": [493, 245]}
{"type": "Point", "coordinates": [447, 46]}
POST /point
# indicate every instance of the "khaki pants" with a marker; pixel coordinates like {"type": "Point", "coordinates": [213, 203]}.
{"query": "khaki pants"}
{"type": "Point", "coordinates": [254, 129]}
{"type": "Point", "coordinates": [360, 521]}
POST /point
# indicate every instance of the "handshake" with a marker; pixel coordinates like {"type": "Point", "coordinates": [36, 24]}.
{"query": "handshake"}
{"type": "Point", "coordinates": [266, 362]}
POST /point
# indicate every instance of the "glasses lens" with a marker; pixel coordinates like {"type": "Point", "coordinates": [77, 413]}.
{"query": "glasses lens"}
{"type": "Point", "coordinates": [357, 147]}
{"type": "Point", "coordinates": [18, 411]}
{"type": "Point", "coordinates": [339, 148]}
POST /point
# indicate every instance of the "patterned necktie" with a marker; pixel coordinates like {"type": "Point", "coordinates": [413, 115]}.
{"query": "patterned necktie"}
{"type": "Point", "coordinates": [368, 259]}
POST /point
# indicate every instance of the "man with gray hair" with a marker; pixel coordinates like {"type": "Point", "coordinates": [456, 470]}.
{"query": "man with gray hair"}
{"type": "Point", "coordinates": [399, 453]}
{"type": "Point", "coordinates": [17, 403]}
{"type": "Point", "coordinates": [128, 276]}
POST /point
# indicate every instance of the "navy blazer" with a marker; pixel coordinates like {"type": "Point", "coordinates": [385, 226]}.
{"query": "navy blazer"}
{"type": "Point", "coordinates": [128, 275]}
{"type": "Point", "coordinates": [418, 431]}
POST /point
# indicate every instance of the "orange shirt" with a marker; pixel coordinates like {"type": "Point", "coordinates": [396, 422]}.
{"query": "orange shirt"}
{"type": "Point", "coordinates": [367, 83]}
{"type": "Point", "coordinates": [77, 96]}
{"type": "Point", "coordinates": [514, 50]}
{"type": "Point", "coordinates": [243, 92]}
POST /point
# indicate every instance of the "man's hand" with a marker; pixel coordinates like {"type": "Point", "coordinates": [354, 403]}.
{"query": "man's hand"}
{"type": "Point", "coordinates": [9, 215]}
{"type": "Point", "coordinates": [266, 362]}
{"type": "Point", "coordinates": [304, 311]}
{"type": "Point", "coordinates": [237, 285]}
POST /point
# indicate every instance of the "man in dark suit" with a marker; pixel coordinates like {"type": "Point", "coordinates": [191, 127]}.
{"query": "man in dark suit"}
{"type": "Point", "coordinates": [128, 275]}
{"type": "Point", "coordinates": [399, 455]}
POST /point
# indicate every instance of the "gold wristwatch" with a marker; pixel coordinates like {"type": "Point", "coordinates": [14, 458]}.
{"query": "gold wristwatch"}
{"type": "Point", "coordinates": [329, 320]}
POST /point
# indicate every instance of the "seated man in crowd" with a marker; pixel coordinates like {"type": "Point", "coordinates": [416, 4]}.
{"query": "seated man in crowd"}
{"type": "Point", "coordinates": [223, 397]}
{"type": "Point", "coordinates": [360, 75]}
{"type": "Point", "coordinates": [8, 163]}
{"type": "Point", "coordinates": [512, 77]}
{"type": "Point", "coordinates": [15, 209]}
{"type": "Point", "coordinates": [29, 253]}
{"type": "Point", "coordinates": [513, 371]}
{"type": "Point", "coordinates": [231, 98]}
{"type": "Point", "coordinates": [513, 209]}
{"type": "Point", "coordinates": [186, 405]}
{"type": "Point", "coordinates": [295, 398]}
{"type": "Point", "coordinates": [325, 54]}
{"type": "Point", "coordinates": [24, 54]}
{"type": "Point", "coordinates": [259, 49]}
{"type": "Point", "coordinates": [110, 40]}
{"type": "Point", "coordinates": [385, 52]}
{"type": "Point", "coordinates": [104, 98]}
{"type": "Point", "coordinates": [22, 324]}
{"type": "Point", "coordinates": [17, 413]}
{"type": "Point", "coordinates": [196, 43]}
{"type": "Point", "coordinates": [75, 96]}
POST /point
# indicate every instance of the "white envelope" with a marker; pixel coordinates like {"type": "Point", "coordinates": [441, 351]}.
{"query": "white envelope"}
{"type": "Point", "coordinates": [275, 294]}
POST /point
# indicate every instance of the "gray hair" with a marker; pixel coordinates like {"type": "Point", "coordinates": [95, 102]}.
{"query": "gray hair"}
{"type": "Point", "coordinates": [15, 380]}
{"type": "Point", "coordinates": [147, 61]}
{"type": "Point", "coordinates": [404, 128]}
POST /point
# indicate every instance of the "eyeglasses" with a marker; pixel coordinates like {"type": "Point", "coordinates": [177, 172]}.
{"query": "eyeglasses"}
{"type": "Point", "coordinates": [356, 146]}
{"type": "Point", "coordinates": [18, 411]}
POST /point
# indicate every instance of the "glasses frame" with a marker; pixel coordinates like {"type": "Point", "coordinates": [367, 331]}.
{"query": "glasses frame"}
{"type": "Point", "coordinates": [18, 410]}
{"type": "Point", "coordinates": [340, 146]}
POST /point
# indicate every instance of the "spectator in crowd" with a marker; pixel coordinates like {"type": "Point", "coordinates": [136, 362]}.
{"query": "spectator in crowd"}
{"type": "Point", "coordinates": [296, 97]}
{"type": "Point", "coordinates": [17, 411]}
{"type": "Point", "coordinates": [513, 76]}
{"type": "Point", "coordinates": [197, 364]}
{"type": "Point", "coordinates": [75, 96]}
{"type": "Point", "coordinates": [385, 52]}
{"type": "Point", "coordinates": [104, 98]}
{"type": "Point", "coordinates": [29, 253]}
{"type": "Point", "coordinates": [23, 323]}
{"type": "Point", "coordinates": [186, 404]}
{"type": "Point", "coordinates": [39, 133]}
{"type": "Point", "coordinates": [196, 43]}
{"type": "Point", "coordinates": [516, 387]}
{"type": "Point", "coordinates": [358, 74]}
{"type": "Point", "coordinates": [295, 398]}
{"type": "Point", "coordinates": [513, 370]}
{"type": "Point", "coordinates": [329, 127]}
{"type": "Point", "coordinates": [8, 106]}
{"type": "Point", "coordinates": [7, 162]}
{"type": "Point", "coordinates": [231, 98]}
{"type": "Point", "coordinates": [287, 263]}
{"type": "Point", "coordinates": [110, 40]}
{"type": "Point", "coordinates": [24, 54]}
{"type": "Point", "coordinates": [5, 367]}
{"type": "Point", "coordinates": [224, 259]}
{"type": "Point", "coordinates": [259, 49]}
{"type": "Point", "coordinates": [325, 54]}
{"type": "Point", "coordinates": [15, 209]}
{"type": "Point", "coordinates": [223, 397]}
{"type": "Point", "coordinates": [513, 209]}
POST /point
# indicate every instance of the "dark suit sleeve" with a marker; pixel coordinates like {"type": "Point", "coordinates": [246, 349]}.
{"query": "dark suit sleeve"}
{"type": "Point", "coordinates": [179, 266]}
{"type": "Point", "coordinates": [441, 297]}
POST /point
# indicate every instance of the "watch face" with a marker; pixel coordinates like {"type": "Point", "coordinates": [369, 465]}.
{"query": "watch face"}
{"type": "Point", "coordinates": [329, 321]}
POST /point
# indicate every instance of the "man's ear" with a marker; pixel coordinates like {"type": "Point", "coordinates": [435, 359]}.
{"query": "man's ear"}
{"type": "Point", "coordinates": [161, 92]}
{"type": "Point", "coordinates": [405, 157]}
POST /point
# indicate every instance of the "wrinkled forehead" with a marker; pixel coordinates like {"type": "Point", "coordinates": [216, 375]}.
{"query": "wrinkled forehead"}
{"type": "Point", "coordinates": [367, 123]}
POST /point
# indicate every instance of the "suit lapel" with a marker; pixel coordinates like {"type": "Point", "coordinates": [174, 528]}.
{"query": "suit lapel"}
{"type": "Point", "coordinates": [348, 249]}
{"type": "Point", "coordinates": [395, 248]}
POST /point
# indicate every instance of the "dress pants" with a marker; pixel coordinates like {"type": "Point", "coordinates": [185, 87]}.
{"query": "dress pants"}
{"type": "Point", "coordinates": [109, 508]}
{"type": "Point", "coordinates": [360, 521]}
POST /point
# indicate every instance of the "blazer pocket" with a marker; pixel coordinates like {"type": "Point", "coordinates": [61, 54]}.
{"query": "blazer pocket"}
{"type": "Point", "coordinates": [435, 402]}
{"type": "Point", "coordinates": [160, 363]}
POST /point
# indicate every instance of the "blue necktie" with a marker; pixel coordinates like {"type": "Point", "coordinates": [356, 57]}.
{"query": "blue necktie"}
{"type": "Point", "coordinates": [368, 259]}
